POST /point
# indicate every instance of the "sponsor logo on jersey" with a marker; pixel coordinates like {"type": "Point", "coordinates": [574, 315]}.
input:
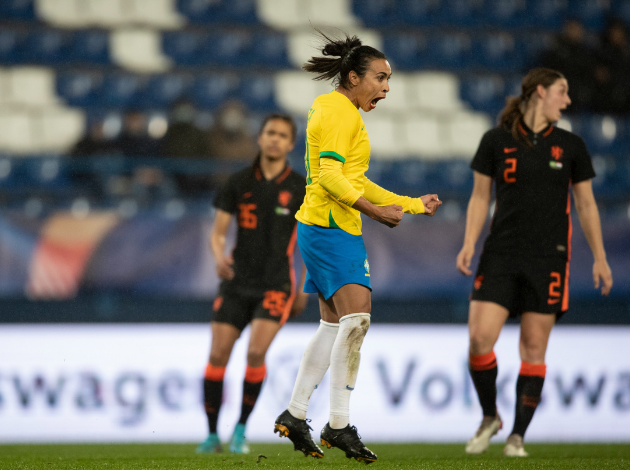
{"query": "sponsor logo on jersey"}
{"type": "Point", "coordinates": [555, 165]}
{"type": "Point", "coordinates": [556, 152]}
{"type": "Point", "coordinates": [509, 149]}
{"type": "Point", "coordinates": [283, 211]}
{"type": "Point", "coordinates": [284, 197]}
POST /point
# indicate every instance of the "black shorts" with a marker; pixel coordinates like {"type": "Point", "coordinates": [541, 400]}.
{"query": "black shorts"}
{"type": "Point", "coordinates": [523, 284]}
{"type": "Point", "coordinates": [240, 309]}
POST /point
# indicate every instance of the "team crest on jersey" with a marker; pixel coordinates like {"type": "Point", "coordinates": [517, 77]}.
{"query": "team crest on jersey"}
{"type": "Point", "coordinates": [284, 197]}
{"type": "Point", "coordinates": [556, 152]}
{"type": "Point", "coordinates": [366, 265]}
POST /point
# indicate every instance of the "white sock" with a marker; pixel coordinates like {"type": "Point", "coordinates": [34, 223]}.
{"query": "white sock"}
{"type": "Point", "coordinates": [314, 365]}
{"type": "Point", "coordinates": [344, 366]}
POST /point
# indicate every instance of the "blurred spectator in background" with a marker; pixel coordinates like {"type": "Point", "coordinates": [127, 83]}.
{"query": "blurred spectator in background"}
{"type": "Point", "coordinates": [230, 138]}
{"type": "Point", "coordinates": [612, 80]}
{"type": "Point", "coordinates": [183, 138]}
{"type": "Point", "coordinates": [134, 140]}
{"type": "Point", "coordinates": [95, 142]}
{"type": "Point", "coordinates": [576, 60]}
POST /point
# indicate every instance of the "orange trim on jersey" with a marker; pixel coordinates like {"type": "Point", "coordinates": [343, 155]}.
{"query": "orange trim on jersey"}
{"type": "Point", "coordinates": [255, 374]}
{"type": "Point", "coordinates": [214, 373]}
{"type": "Point", "coordinates": [284, 175]}
{"type": "Point", "coordinates": [483, 361]}
{"type": "Point", "coordinates": [533, 370]}
{"type": "Point", "coordinates": [565, 295]}
{"type": "Point", "coordinates": [522, 129]}
{"type": "Point", "coordinates": [548, 131]}
{"type": "Point", "coordinates": [290, 250]}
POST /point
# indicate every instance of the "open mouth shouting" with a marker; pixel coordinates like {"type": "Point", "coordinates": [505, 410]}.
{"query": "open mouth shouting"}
{"type": "Point", "coordinates": [374, 101]}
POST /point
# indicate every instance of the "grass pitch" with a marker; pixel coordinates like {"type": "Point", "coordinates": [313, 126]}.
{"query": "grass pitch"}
{"type": "Point", "coordinates": [276, 456]}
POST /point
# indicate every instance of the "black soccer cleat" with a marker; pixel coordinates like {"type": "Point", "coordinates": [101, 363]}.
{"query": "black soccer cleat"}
{"type": "Point", "coordinates": [348, 440]}
{"type": "Point", "coordinates": [298, 431]}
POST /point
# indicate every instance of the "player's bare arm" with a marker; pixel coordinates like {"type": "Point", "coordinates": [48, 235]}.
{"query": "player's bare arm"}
{"type": "Point", "coordinates": [589, 220]}
{"type": "Point", "coordinates": [387, 215]}
{"type": "Point", "coordinates": [218, 234]}
{"type": "Point", "coordinates": [475, 220]}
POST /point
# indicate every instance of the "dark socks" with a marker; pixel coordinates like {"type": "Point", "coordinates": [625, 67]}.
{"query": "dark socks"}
{"type": "Point", "coordinates": [213, 394]}
{"type": "Point", "coordinates": [483, 371]}
{"type": "Point", "coordinates": [528, 390]}
{"type": "Point", "coordinates": [252, 386]}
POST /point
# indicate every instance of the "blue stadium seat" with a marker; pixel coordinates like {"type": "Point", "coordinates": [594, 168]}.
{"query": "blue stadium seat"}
{"type": "Point", "coordinates": [484, 92]}
{"type": "Point", "coordinates": [186, 47]}
{"type": "Point", "coordinates": [233, 48]}
{"type": "Point", "coordinates": [90, 47]}
{"type": "Point", "coordinates": [548, 14]}
{"type": "Point", "coordinates": [257, 92]}
{"type": "Point", "coordinates": [530, 46]}
{"type": "Point", "coordinates": [621, 9]}
{"type": "Point", "coordinates": [450, 51]}
{"type": "Point", "coordinates": [505, 13]}
{"type": "Point", "coordinates": [240, 12]}
{"type": "Point", "coordinates": [418, 12]}
{"type": "Point", "coordinates": [592, 13]}
{"type": "Point", "coordinates": [407, 51]}
{"type": "Point", "coordinates": [219, 11]}
{"type": "Point", "coordinates": [210, 91]}
{"type": "Point", "coordinates": [162, 91]}
{"type": "Point", "coordinates": [47, 173]}
{"type": "Point", "coordinates": [22, 10]}
{"type": "Point", "coordinates": [80, 88]}
{"type": "Point", "coordinates": [270, 50]}
{"type": "Point", "coordinates": [122, 90]}
{"type": "Point", "coordinates": [49, 46]}
{"type": "Point", "coordinates": [452, 179]}
{"type": "Point", "coordinates": [12, 46]}
{"type": "Point", "coordinates": [604, 134]}
{"type": "Point", "coordinates": [459, 13]}
{"type": "Point", "coordinates": [377, 12]}
{"type": "Point", "coordinates": [497, 52]}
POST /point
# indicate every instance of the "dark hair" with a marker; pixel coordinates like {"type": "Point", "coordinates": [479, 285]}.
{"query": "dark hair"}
{"type": "Point", "coordinates": [342, 57]}
{"type": "Point", "coordinates": [512, 115]}
{"type": "Point", "coordinates": [283, 117]}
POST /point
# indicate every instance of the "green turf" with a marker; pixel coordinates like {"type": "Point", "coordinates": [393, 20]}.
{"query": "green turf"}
{"type": "Point", "coordinates": [266, 456]}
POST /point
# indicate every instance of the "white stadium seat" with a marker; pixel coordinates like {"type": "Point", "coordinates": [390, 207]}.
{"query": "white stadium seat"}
{"type": "Point", "coordinates": [295, 91]}
{"type": "Point", "coordinates": [424, 135]}
{"type": "Point", "coordinates": [107, 13]}
{"type": "Point", "coordinates": [32, 86]}
{"type": "Point", "coordinates": [59, 128]}
{"type": "Point", "coordinates": [337, 13]}
{"type": "Point", "coordinates": [63, 13]}
{"type": "Point", "coordinates": [139, 50]}
{"type": "Point", "coordinates": [305, 43]}
{"type": "Point", "coordinates": [386, 136]}
{"type": "Point", "coordinates": [464, 131]}
{"type": "Point", "coordinates": [283, 14]}
{"type": "Point", "coordinates": [157, 13]}
{"type": "Point", "coordinates": [17, 134]}
{"type": "Point", "coordinates": [438, 91]}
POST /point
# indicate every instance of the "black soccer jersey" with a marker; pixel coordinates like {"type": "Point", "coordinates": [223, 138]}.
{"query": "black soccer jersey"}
{"type": "Point", "coordinates": [265, 240]}
{"type": "Point", "coordinates": [532, 214]}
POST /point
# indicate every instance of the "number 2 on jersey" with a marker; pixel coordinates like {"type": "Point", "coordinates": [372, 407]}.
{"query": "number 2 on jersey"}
{"type": "Point", "coordinates": [511, 169]}
{"type": "Point", "coordinates": [554, 288]}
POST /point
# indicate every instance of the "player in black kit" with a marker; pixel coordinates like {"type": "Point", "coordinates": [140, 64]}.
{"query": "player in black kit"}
{"type": "Point", "coordinates": [258, 284]}
{"type": "Point", "coordinates": [524, 267]}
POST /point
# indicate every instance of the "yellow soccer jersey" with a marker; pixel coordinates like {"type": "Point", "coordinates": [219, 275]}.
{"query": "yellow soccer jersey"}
{"type": "Point", "coordinates": [336, 133]}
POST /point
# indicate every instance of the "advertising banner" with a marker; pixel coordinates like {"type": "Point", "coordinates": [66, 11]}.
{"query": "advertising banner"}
{"type": "Point", "coordinates": [143, 383]}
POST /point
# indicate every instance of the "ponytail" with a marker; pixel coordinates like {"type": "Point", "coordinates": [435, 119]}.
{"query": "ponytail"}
{"type": "Point", "coordinates": [342, 56]}
{"type": "Point", "coordinates": [511, 116]}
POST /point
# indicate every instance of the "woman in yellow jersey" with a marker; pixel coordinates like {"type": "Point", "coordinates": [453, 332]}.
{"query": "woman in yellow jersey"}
{"type": "Point", "coordinates": [329, 237]}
